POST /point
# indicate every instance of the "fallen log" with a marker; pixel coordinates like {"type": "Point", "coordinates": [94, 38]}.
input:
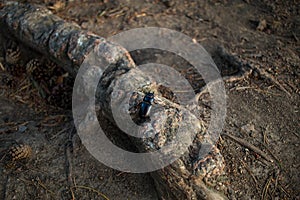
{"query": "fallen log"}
{"type": "Point", "coordinates": [65, 43]}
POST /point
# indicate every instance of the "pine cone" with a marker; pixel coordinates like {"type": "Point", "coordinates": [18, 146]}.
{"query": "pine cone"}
{"type": "Point", "coordinates": [19, 152]}
{"type": "Point", "coordinates": [13, 56]}
{"type": "Point", "coordinates": [13, 61]}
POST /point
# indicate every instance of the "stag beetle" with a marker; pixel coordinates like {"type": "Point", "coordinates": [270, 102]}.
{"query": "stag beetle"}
{"type": "Point", "coordinates": [146, 104]}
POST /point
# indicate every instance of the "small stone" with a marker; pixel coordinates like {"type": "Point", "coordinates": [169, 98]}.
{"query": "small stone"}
{"type": "Point", "coordinates": [262, 25]}
{"type": "Point", "coordinates": [84, 25]}
{"type": "Point", "coordinates": [22, 128]}
{"type": "Point", "coordinates": [168, 3]}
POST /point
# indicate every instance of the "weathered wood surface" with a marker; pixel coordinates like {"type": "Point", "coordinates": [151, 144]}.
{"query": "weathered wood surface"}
{"type": "Point", "coordinates": [67, 44]}
{"type": "Point", "coordinates": [182, 179]}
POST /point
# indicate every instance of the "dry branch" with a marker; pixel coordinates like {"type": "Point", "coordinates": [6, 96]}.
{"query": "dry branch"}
{"type": "Point", "coordinates": [68, 45]}
{"type": "Point", "coordinates": [65, 43]}
{"type": "Point", "coordinates": [249, 146]}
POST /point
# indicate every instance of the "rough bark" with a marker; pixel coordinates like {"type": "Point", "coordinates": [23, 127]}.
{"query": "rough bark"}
{"type": "Point", "coordinates": [67, 44]}
{"type": "Point", "coordinates": [182, 179]}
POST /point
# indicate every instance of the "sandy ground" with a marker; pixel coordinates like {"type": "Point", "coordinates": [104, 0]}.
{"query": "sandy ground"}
{"type": "Point", "coordinates": [263, 107]}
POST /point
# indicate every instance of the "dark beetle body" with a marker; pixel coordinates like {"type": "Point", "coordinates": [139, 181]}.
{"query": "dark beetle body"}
{"type": "Point", "coordinates": [146, 104]}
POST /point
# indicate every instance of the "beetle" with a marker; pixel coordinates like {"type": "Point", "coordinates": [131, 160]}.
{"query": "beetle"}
{"type": "Point", "coordinates": [146, 105]}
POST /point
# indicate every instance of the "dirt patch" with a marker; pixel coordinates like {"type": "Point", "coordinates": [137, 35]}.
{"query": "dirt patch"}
{"type": "Point", "coordinates": [261, 34]}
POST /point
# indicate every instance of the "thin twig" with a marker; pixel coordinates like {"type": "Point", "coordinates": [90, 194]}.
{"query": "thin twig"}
{"type": "Point", "coordinates": [249, 146]}
{"type": "Point", "coordinates": [45, 188]}
{"type": "Point", "coordinates": [58, 133]}
{"type": "Point", "coordinates": [255, 89]}
{"type": "Point", "coordinates": [47, 120]}
{"type": "Point", "coordinates": [295, 36]}
{"type": "Point", "coordinates": [296, 134]}
{"type": "Point", "coordinates": [242, 88]}
{"type": "Point", "coordinates": [72, 193]}
{"type": "Point", "coordinates": [265, 190]}
{"type": "Point", "coordinates": [8, 124]}
{"type": "Point", "coordinates": [39, 183]}
{"type": "Point", "coordinates": [284, 190]}
{"type": "Point", "coordinates": [275, 157]}
{"type": "Point", "coordinates": [270, 77]}
{"type": "Point", "coordinates": [119, 174]}
{"type": "Point", "coordinates": [230, 79]}
{"type": "Point", "coordinates": [250, 172]}
{"type": "Point", "coordinates": [204, 90]}
{"type": "Point", "coordinates": [276, 181]}
{"type": "Point", "coordinates": [265, 136]}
